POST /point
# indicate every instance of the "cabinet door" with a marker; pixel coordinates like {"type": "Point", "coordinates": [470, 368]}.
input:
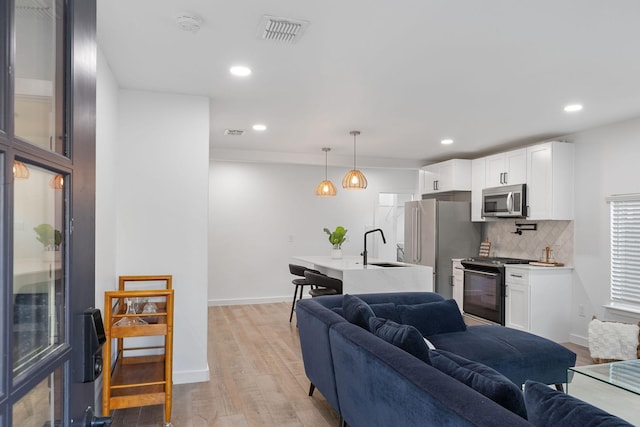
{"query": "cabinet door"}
{"type": "Point", "coordinates": [515, 163]}
{"type": "Point", "coordinates": [430, 178]}
{"type": "Point", "coordinates": [446, 176]}
{"type": "Point", "coordinates": [517, 306]}
{"type": "Point", "coordinates": [457, 281]}
{"type": "Point", "coordinates": [494, 170]}
{"type": "Point", "coordinates": [477, 184]}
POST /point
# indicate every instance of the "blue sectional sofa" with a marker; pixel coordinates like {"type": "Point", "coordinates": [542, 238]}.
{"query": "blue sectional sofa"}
{"type": "Point", "coordinates": [371, 382]}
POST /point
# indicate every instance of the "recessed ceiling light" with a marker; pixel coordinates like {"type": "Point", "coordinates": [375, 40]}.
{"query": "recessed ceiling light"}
{"type": "Point", "coordinates": [240, 70]}
{"type": "Point", "coordinates": [572, 108]}
{"type": "Point", "coordinates": [446, 141]}
{"type": "Point", "coordinates": [259, 127]}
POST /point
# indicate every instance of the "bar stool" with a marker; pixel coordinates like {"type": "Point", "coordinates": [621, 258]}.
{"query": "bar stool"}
{"type": "Point", "coordinates": [301, 282]}
{"type": "Point", "coordinates": [325, 285]}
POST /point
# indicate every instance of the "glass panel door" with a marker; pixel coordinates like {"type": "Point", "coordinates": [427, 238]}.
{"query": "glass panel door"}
{"type": "Point", "coordinates": [38, 84]}
{"type": "Point", "coordinates": [38, 273]}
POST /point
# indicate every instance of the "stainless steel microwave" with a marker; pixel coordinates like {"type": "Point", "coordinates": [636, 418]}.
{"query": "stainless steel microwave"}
{"type": "Point", "coordinates": [509, 201]}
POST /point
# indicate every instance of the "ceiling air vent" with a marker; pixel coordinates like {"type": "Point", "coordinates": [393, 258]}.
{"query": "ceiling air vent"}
{"type": "Point", "coordinates": [234, 132]}
{"type": "Point", "coordinates": [282, 30]}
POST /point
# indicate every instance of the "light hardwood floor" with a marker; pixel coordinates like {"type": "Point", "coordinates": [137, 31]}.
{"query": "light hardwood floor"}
{"type": "Point", "coordinates": [257, 377]}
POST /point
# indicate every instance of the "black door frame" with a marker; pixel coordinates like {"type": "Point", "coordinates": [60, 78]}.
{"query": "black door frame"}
{"type": "Point", "coordinates": [80, 124]}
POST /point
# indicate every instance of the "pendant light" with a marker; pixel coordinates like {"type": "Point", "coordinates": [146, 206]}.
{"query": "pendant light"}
{"type": "Point", "coordinates": [354, 179]}
{"type": "Point", "coordinates": [326, 187]}
{"type": "Point", "coordinates": [57, 182]}
{"type": "Point", "coordinates": [20, 170]}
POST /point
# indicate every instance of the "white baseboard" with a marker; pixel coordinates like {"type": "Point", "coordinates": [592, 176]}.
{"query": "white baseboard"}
{"type": "Point", "coordinates": [579, 339]}
{"type": "Point", "coordinates": [187, 377]}
{"type": "Point", "coordinates": [240, 301]}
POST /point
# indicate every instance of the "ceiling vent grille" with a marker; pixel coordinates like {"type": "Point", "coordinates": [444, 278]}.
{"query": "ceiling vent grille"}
{"type": "Point", "coordinates": [234, 132]}
{"type": "Point", "coordinates": [283, 30]}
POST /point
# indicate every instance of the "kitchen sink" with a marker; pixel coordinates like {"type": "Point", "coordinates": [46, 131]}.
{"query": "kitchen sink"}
{"type": "Point", "coordinates": [386, 264]}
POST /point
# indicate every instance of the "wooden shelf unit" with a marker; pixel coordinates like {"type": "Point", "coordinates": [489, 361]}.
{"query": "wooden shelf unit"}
{"type": "Point", "coordinates": [142, 375]}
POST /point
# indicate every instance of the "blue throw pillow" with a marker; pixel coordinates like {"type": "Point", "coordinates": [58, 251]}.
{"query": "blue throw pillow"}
{"type": "Point", "coordinates": [405, 337]}
{"type": "Point", "coordinates": [482, 379]}
{"type": "Point", "coordinates": [433, 318]}
{"type": "Point", "coordinates": [356, 311]}
{"type": "Point", "coordinates": [549, 407]}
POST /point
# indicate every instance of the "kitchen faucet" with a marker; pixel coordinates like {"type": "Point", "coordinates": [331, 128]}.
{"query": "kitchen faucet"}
{"type": "Point", "coordinates": [364, 253]}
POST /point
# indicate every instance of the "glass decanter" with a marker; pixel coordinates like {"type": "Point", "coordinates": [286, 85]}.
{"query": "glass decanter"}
{"type": "Point", "coordinates": [130, 319]}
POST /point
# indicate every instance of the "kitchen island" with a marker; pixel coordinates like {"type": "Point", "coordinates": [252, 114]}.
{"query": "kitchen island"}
{"type": "Point", "coordinates": [376, 276]}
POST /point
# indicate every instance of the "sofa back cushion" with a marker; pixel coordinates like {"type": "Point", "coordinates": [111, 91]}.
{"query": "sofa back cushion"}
{"type": "Point", "coordinates": [548, 407]}
{"type": "Point", "coordinates": [405, 337]}
{"type": "Point", "coordinates": [386, 310]}
{"type": "Point", "coordinates": [356, 311]}
{"type": "Point", "coordinates": [482, 379]}
{"type": "Point", "coordinates": [433, 318]}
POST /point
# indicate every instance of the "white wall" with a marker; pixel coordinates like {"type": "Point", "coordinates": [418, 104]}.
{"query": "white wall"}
{"type": "Point", "coordinates": [606, 163]}
{"type": "Point", "coordinates": [106, 197]}
{"type": "Point", "coordinates": [106, 179]}
{"type": "Point", "coordinates": [163, 151]}
{"type": "Point", "coordinates": [151, 204]}
{"type": "Point", "coordinates": [263, 214]}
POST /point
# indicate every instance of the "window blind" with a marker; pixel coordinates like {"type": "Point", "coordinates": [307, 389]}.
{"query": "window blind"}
{"type": "Point", "coordinates": [625, 248]}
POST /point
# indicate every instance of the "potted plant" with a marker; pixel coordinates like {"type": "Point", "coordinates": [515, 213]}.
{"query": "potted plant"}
{"type": "Point", "coordinates": [337, 238]}
{"type": "Point", "coordinates": [50, 238]}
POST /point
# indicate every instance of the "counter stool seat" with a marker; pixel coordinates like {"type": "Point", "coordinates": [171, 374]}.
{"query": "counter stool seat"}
{"type": "Point", "coordinates": [318, 292]}
{"type": "Point", "coordinates": [300, 283]}
{"type": "Point", "coordinates": [325, 285]}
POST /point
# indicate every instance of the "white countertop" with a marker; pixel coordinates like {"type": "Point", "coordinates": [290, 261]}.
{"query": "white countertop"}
{"type": "Point", "coordinates": [358, 278]}
{"type": "Point", "coordinates": [540, 267]}
{"type": "Point", "coordinates": [350, 263]}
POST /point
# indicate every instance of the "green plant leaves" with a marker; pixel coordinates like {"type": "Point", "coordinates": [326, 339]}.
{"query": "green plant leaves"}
{"type": "Point", "coordinates": [337, 237]}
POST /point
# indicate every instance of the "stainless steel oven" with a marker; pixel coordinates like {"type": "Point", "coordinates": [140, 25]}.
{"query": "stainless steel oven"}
{"type": "Point", "coordinates": [484, 287]}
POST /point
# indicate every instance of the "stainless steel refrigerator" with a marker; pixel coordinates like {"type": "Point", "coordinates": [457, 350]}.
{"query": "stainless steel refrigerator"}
{"type": "Point", "coordinates": [435, 231]}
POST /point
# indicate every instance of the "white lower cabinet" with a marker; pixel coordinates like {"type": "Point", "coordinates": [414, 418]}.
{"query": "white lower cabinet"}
{"type": "Point", "coordinates": [538, 300]}
{"type": "Point", "coordinates": [457, 281]}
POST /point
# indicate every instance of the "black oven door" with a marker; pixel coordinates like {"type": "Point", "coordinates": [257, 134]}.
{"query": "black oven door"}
{"type": "Point", "coordinates": [484, 294]}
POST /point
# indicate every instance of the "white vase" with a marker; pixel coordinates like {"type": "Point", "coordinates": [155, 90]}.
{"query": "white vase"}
{"type": "Point", "coordinates": [336, 253]}
{"type": "Point", "coordinates": [49, 256]}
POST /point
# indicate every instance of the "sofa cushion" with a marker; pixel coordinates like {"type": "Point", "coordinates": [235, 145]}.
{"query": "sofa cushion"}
{"type": "Point", "coordinates": [481, 378]}
{"type": "Point", "coordinates": [516, 354]}
{"type": "Point", "coordinates": [386, 310]}
{"type": "Point", "coordinates": [357, 311]}
{"type": "Point", "coordinates": [549, 407]}
{"type": "Point", "coordinates": [405, 337]}
{"type": "Point", "coordinates": [433, 318]}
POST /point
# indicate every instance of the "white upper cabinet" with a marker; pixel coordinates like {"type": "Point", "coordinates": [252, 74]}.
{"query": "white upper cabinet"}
{"type": "Point", "coordinates": [507, 168]}
{"type": "Point", "coordinates": [451, 175]}
{"type": "Point", "coordinates": [546, 168]}
{"type": "Point", "coordinates": [550, 181]}
{"type": "Point", "coordinates": [477, 184]}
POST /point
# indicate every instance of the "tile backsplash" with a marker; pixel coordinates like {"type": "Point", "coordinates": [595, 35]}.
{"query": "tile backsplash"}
{"type": "Point", "coordinates": [558, 235]}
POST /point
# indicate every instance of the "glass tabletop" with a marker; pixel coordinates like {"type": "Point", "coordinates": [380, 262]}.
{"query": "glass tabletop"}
{"type": "Point", "coordinates": [624, 374]}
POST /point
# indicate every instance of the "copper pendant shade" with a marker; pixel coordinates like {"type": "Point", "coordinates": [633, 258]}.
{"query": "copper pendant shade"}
{"type": "Point", "coordinates": [354, 179]}
{"type": "Point", "coordinates": [326, 187]}
{"type": "Point", "coordinates": [20, 170]}
{"type": "Point", "coordinates": [57, 182]}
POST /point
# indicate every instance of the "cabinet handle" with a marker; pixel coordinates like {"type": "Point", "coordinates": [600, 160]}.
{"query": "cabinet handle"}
{"type": "Point", "coordinates": [519, 276]}
{"type": "Point", "coordinates": [506, 177]}
{"type": "Point", "coordinates": [501, 177]}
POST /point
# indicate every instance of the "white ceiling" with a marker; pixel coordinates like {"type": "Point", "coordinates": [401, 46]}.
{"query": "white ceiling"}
{"type": "Point", "coordinates": [489, 74]}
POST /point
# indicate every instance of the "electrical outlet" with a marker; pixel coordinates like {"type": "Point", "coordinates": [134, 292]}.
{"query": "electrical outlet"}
{"type": "Point", "coordinates": [581, 310]}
